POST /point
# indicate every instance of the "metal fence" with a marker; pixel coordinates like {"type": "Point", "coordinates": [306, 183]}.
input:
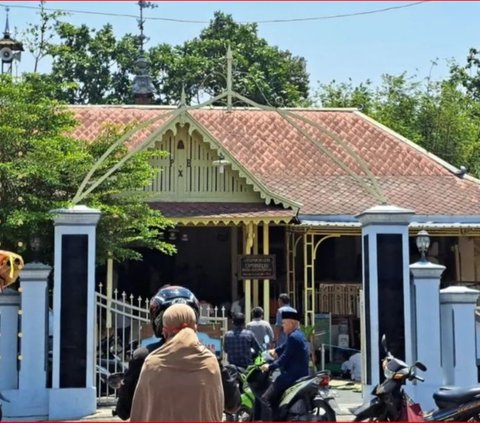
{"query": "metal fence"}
{"type": "Point", "coordinates": [123, 324]}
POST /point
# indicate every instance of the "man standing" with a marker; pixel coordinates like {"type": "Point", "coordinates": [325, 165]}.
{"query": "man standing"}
{"type": "Point", "coordinates": [283, 305]}
{"type": "Point", "coordinates": [291, 359]}
{"type": "Point", "coordinates": [260, 327]}
{"type": "Point", "coordinates": [239, 342]}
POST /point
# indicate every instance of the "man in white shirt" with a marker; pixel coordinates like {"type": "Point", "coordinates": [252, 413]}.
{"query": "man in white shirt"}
{"type": "Point", "coordinates": [260, 327]}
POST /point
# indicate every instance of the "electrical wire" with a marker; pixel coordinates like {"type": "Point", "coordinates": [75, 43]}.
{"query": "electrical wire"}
{"type": "Point", "coordinates": [188, 21]}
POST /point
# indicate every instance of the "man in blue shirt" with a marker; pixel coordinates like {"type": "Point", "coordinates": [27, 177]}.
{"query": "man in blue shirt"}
{"type": "Point", "coordinates": [283, 305]}
{"type": "Point", "coordinates": [238, 343]}
{"type": "Point", "coordinates": [291, 359]}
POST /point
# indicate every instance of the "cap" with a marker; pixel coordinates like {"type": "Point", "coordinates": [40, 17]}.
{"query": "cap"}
{"type": "Point", "coordinates": [290, 314]}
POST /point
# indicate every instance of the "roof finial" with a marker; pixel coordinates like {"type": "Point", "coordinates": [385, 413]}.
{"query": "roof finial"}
{"type": "Point", "coordinates": [143, 88]}
{"type": "Point", "coordinates": [183, 97]}
{"type": "Point", "coordinates": [6, 33]}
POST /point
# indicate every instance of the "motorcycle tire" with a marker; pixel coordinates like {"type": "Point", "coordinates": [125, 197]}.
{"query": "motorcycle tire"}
{"type": "Point", "coordinates": [242, 415]}
{"type": "Point", "coordinates": [323, 412]}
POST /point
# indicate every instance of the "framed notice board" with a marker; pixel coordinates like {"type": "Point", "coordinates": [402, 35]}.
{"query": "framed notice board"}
{"type": "Point", "coordinates": [257, 267]}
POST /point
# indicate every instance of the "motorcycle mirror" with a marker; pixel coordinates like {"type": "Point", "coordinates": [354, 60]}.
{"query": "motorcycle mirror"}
{"type": "Point", "coordinates": [384, 343]}
{"type": "Point", "coordinates": [421, 366]}
{"type": "Point", "coordinates": [115, 380]}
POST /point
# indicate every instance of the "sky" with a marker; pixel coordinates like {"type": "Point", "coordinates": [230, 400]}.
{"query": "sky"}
{"type": "Point", "coordinates": [359, 47]}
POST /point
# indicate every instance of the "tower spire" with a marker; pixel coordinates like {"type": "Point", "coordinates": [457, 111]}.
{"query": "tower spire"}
{"type": "Point", "coordinates": [6, 33]}
{"type": "Point", "coordinates": [10, 49]}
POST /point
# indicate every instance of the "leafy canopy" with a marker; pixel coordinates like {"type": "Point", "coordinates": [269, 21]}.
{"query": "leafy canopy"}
{"type": "Point", "coordinates": [42, 166]}
{"type": "Point", "coordinates": [101, 67]}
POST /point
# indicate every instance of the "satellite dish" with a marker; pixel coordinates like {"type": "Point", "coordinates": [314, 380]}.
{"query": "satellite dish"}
{"type": "Point", "coordinates": [6, 54]}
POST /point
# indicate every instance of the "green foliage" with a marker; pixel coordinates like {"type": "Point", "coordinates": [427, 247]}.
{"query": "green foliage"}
{"type": "Point", "coordinates": [41, 167]}
{"type": "Point", "coordinates": [100, 68]}
{"type": "Point", "coordinates": [441, 116]}
{"type": "Point", "coordinates": [261, 72]}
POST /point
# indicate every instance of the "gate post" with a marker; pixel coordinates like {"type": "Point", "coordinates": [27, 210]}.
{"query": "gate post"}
{"type": "Point", "coordinates": [427, 342]}
{"type": "Point", "coordinates": [73, 392]}
{"type": "Point", "coordinates": [458, 335]}
{"type": "Point", "coordinates": [386, 288]}
{"type": "Point", "coordinates": [9, 306]}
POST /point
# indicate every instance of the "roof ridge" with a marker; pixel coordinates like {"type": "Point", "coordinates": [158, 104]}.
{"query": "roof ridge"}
{"type": "Point", "coordinates": [219, 108]}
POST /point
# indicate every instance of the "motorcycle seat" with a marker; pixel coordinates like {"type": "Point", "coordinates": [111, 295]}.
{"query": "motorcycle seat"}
{"type": "Point", "coordinates": [302, 379]}
{"type": "Point", "coordinates": [445, 398]}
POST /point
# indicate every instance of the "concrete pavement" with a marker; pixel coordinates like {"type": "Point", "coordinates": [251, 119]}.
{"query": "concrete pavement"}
{"type": "Point", "coordinates": [347, 396]}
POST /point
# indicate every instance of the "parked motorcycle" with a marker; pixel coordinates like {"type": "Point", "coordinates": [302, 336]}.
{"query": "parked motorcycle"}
{"type": "Point", "coordinates": [2, 398]}
{"type": "Point", "coordinates": [392, 403]}
{"type": "Point", "coordinates": [109, 362]}
{"type": "Point", "coordinates": [309, 399]}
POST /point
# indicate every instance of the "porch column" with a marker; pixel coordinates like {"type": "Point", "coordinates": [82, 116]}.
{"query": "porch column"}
{"type": "Point", "coordinates": [256, 282]}
{"type": "Point", "coordinates": [248, 244]}
{"type": "Point", "coordinates": [458, 335]}
{"type": "Point", "coordinates": [73, 391]}
{"type": "Point", "coordinates": [427, 342]}
{"type": "Point", "coordinates": [266, 282]}
{"type": "Point", "coordinates": [386, 288]}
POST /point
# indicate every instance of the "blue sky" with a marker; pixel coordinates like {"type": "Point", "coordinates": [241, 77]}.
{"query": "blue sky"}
{"type": "Point", "coordinates": [358, 47]}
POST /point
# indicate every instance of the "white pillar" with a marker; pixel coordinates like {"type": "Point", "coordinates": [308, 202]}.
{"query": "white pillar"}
{"type": "Point", "coordinates": [386, 287]}
{"type": "Point", "coordinates": [30, 400]}
{"type": "Point", "coordinates": [427, 340]}
{"type": "Point", "coordinates": [73, 393]}
{"type": "Point", "coordinates": [9, 306]}
{"type": "Point", "coordinates": [458, 335]}
{"type": "Point", "coordinates": [34, 340]}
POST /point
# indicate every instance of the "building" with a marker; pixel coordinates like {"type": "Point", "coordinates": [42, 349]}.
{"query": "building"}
{"type": "Point", "coordinates": [288, 183]}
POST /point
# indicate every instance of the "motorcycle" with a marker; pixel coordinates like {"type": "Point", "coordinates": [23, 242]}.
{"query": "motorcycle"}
{"type": "Point", "coordinates": [2, 398]}
{"type": "Point", "coordinates": [309, 399]}
{"type": "Point", "coordinates": [109, 362]}
{"type": "Point", "coordinates": [392, 403]}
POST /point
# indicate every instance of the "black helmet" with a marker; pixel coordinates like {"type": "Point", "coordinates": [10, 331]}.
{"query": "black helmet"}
{"type": "Point", "coordinates": [164, 298]}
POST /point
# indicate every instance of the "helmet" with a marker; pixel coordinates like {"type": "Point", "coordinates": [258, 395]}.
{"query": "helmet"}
{"type": "Point", "coordinates": [164, 298]}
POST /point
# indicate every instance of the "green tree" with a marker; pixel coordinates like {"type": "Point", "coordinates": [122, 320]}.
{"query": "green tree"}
{"type": "Point", "coordinates": [100, 67]}
{"type": "Point", "coordinates": [41, 167]}
{"type": "Point", "coordinates": [39, 36]}
{"type": "Point", "coordinates": [441, 116]}
{"type": "Point", "coordinates": [261, 72]}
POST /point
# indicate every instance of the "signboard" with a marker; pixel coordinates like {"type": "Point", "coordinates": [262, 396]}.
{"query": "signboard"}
{"type": "Point", "coordinates": [257, 267]}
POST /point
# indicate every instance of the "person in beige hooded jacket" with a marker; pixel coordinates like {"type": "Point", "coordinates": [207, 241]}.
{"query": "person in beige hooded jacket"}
{"type": "Point", "coordinates": [180, 381]}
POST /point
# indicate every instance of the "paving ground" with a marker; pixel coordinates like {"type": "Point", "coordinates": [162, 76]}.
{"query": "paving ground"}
{"type": "Point", "coordinates": [348, 396]}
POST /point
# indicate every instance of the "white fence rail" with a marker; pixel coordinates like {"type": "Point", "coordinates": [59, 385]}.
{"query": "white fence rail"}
{"type": "Point", "coordinates": [123, 324]}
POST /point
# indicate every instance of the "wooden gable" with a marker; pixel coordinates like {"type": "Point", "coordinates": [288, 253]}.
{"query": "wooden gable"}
{"type": "Point", "coordinates": [189, 172]}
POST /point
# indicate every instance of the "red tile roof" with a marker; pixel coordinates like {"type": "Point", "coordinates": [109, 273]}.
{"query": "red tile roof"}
{"type": "Point", "coordinates": [322, 175]}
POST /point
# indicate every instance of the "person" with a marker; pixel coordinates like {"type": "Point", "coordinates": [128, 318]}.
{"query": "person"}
{"type": "Point", "coordinates": [181, 380]}
{"type": "Point", "coordinates": [237, 306]}
{"type": "Point", "coordinates": [283, 305]}
{"type": "Point", "coordinates": [355, 362]}
{"type": "Point", "coordinates": [161, 301]}
{"type": "Point", "coordinates": [291, 359]}
{"type": "Point", "coordinates": [346, 367]}
{"type": "Point", "coordinates": [238, 343]}
{"type": "Point", "coordinates": [260, 328]}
